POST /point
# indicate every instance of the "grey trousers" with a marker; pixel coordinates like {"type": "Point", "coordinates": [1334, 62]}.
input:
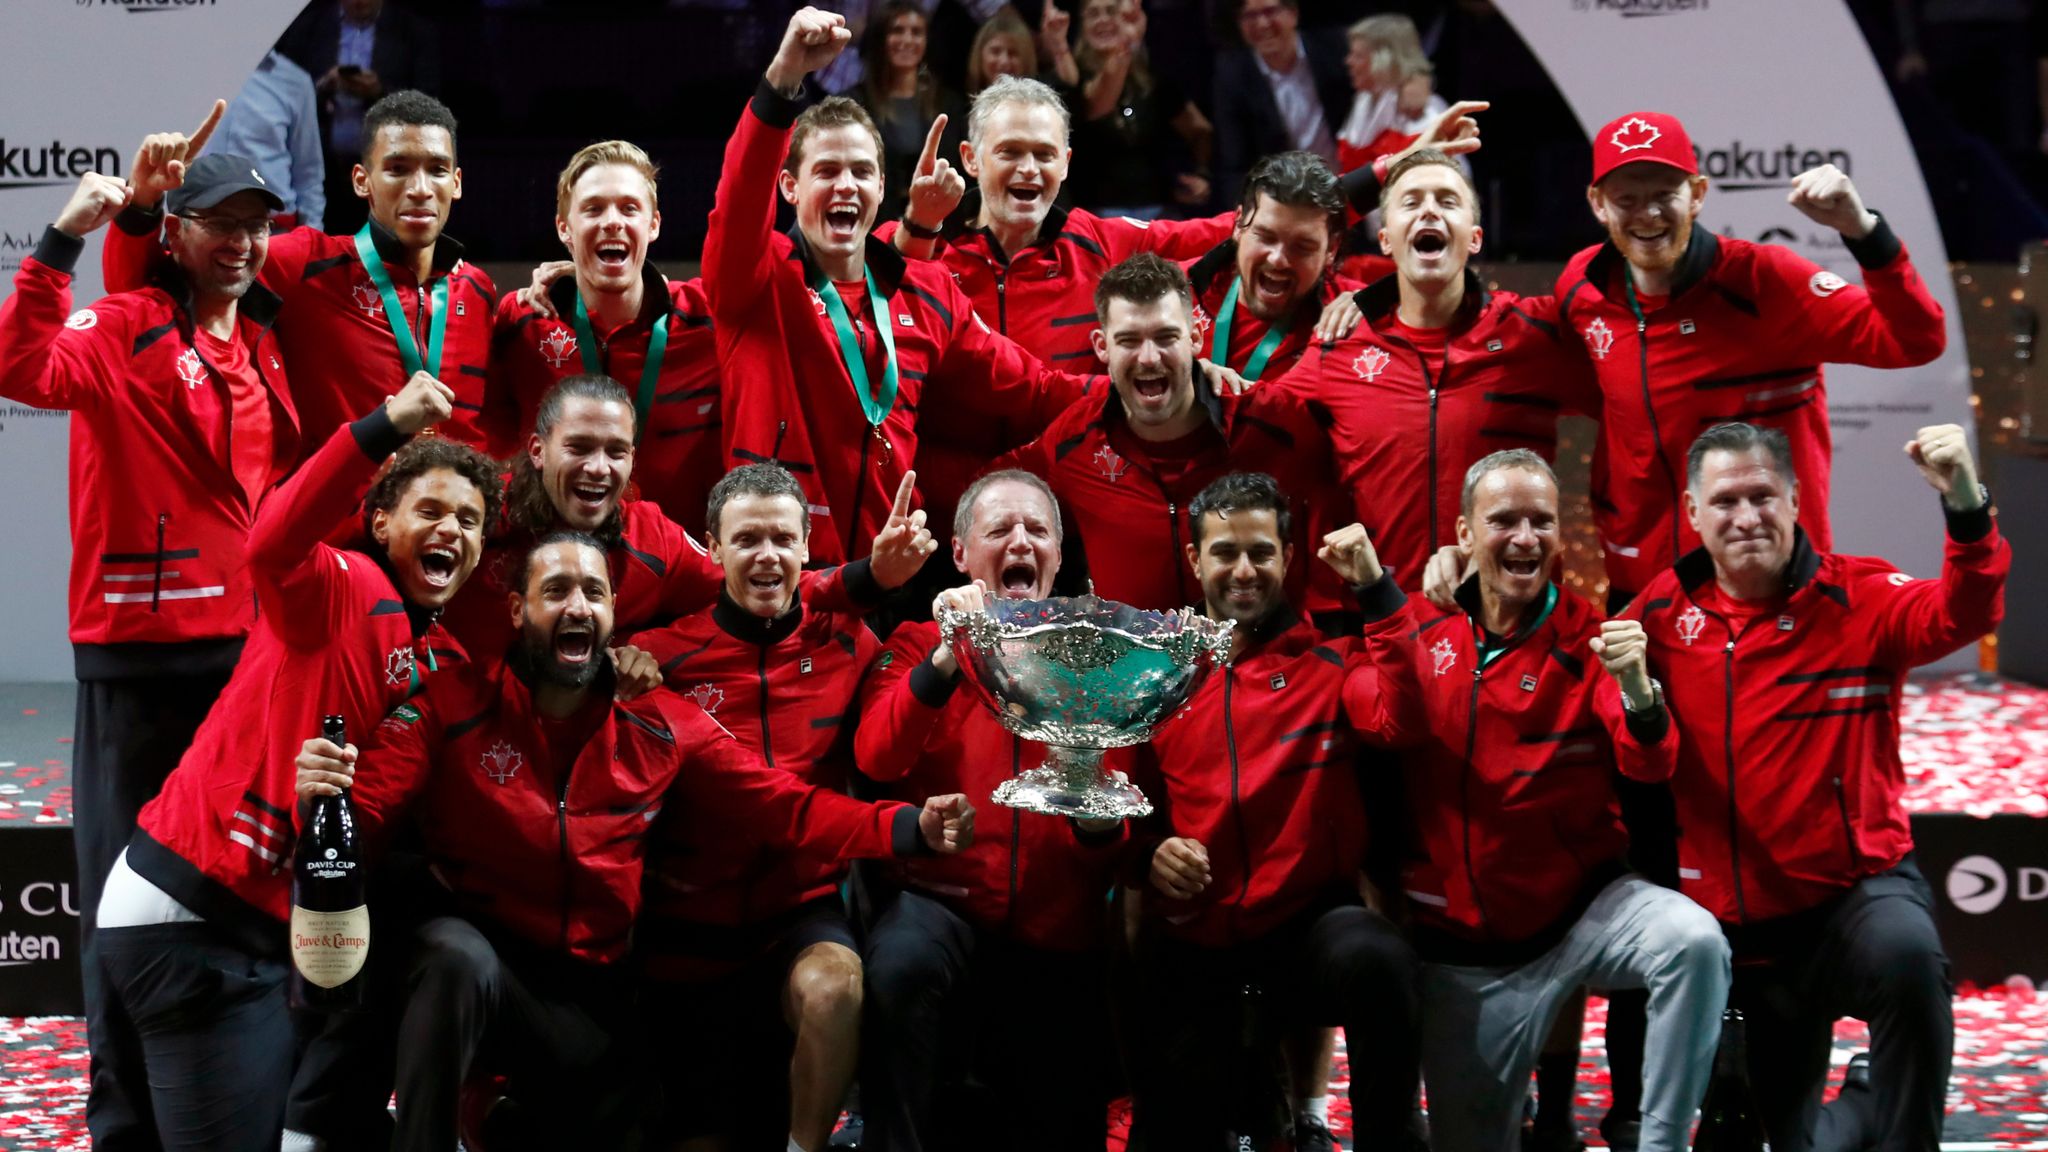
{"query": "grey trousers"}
{"type": "Point", "coordinates": [1483, 1028]}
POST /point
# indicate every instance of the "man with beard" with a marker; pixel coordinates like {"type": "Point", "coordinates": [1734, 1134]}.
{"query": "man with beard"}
{"type": "Point", "coordinates": [1126, 466]}
{"type": "Point", "coordinates": [1687, 329]}
{"type": "Point", "coordinates": [538, 789]}
{"type": "Point", "coordinates": [1025, 907]}
{"type": "Point", "coordinates": [191, 926]}
{"type": "Point", "coordinates": [739, 939]}
{"type": "Point", "coordinates": [362, 313]}
{"type": "Point", "coordinates": [576, 475]}
{"type": "Point", "coordinates": [1441, 371]}
{"type": "Point", "coordinates": [829, 341]}
{"type": "Point", "coordinates": [1517, 886]}
{"type": "Point", "coordinates": [183, 423]}
{"type": "Point", "coordinates": [1785, 666]}
{"type": "Point", "coordinates": [617, 316]}
{"type": "Point", "coordinates": [1255, 849]}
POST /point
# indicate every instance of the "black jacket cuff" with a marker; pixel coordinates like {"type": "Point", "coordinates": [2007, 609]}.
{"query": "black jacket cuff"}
{"type": "Point", "coordinates": [1381, 598]}
{"type": "Point", "coordinates": [1878, 249]}
{"type": "Point", "coordinates": [1968, 527]}
{"type": "Point", "coordinates": [862, 588]}
{"type": "Point", "coordinates": [59, 250]}
{"type": "Point", "coordinates": [931, 686]}
{"type": "Point", "coordinates": [775, 109]}
{"type": "Point", "coordinates": [1648, 726]}
{"type": "Point", "coordinates": [139, 221]}
{"type": "Point", "coordinates": [1361, 188]}
{"type": "Point", "coordinates": [905, 837]}
{"type": "Point", "coordinates": [376, 435]}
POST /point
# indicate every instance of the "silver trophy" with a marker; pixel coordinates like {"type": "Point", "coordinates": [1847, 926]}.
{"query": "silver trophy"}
{"type": "Point", "coordinates": [1080, 675]}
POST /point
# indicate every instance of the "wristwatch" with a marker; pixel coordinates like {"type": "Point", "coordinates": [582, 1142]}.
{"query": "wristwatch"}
{"type": "Point", "coordinates": [1656, 699]}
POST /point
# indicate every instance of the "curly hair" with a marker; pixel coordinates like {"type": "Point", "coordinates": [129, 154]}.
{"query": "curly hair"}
{"type": "Point", "coordinates": [431, 454]}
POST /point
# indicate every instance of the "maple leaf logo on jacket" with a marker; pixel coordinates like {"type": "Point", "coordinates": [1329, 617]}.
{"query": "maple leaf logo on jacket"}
{"type": "Point", "coordinates": [1371, 362]}
{"type": "Point", "coordinates": [191, 369]}
{"type": "Point", "coordinates": [501, 761]}
{"type": "Point", "coordinates": [557, 346]}
{"type": "Point", "coordinates": [368, 298]}
{"type": "Point", "coordinates": [1110, 464]}
{"type": "Point", "coordinates": [1445, 654]}
{"type": "Point", "coordinates": [398, 666]}
{"type": "Point", "coordinates": [1635, 134]}
{"type": "Point", "coordinates": [1691, 623]}
{"type": "Point", "coordinates": [1599, 339]}
{"type": "Point", "coordinates": [1202, 324]}
{"type": "Point", "coordinates": [707, 697]}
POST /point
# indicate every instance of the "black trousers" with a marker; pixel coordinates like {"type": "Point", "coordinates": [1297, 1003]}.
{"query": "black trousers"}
{"type": "Point", "coordinates": [969, 1041]}
{"type": "Point", "coordinates": [129, 734]}
{"type": "Point", "coordinates": [559, 1031]}
{"type": "Point", "coordinates": [1872, 954]}
{"type": "Point", "coordinates": [1209, 1048]}
{"type": "Point", "coordinates": [213, 1025]}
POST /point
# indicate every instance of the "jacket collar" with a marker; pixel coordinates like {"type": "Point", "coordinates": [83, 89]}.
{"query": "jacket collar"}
{"type": "Point", "coordinates": [1607, 265]}
{"type": "Point", "coordinates": [654, 299]}
{"type": "Point", "coordinates": [741, 624]}
{"type": "Point", "coordinates": [1277, 622]}
{"type": "Point", "coordinates": [1212, 273]}
{"type": "Point", "coordinates": [1381, 300]}
{"type": "Point", "coordinates": [883, 260]}
{"type": "Point", "coordinates": [961, 225]}
{"type": "Point", "coordinates": [419, 619]}
{"type": "Point", "coordinates": [447, 249]}
{"type": "Point", "coordinates": [1469, 600]}
{"type": "Point", "coordinates": [1697, 567]}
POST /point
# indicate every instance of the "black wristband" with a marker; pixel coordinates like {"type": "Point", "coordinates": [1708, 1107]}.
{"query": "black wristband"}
{"type": "Point", "coordinates": [916, 229]}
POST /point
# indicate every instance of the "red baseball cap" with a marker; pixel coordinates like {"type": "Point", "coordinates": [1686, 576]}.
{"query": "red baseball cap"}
{"type": "Point", "coordinates": [1643, 136]}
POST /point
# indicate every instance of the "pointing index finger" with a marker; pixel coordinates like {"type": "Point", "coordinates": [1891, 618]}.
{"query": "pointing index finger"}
{"type": "Point", "coordinates": [902, 506]}
{"type": "Point", "coordinates": [927, 159]}
{"type": "Point", "coordinates": [205, 130]}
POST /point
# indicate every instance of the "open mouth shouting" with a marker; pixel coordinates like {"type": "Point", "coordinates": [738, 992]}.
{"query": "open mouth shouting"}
{"type": "Point", "coordinates": [614, 256]}
{"type": "Point", "coordinates": [842, 222]}
{"type": "Point", "coordinates": [1429, 242]}
{"type": "Point", "coordinates": [1272, 292]}
{"type": "Point", "coordinates": [1152, 391]}
{"type": "Point", "coordinates": [589, 501]}
{"type": "Point", "coordinates": [1522, 567]}
{"type": "Point", "coordinates": [766, 584]}
{"type": "Point", "coordinates": [1020, 579]}
{"type": "Point", "coordinates": [575, 643]}
{"type": "Point", "coordinates": [1025, 199]}
{"type": "Point", "coordinates": [439, 564]}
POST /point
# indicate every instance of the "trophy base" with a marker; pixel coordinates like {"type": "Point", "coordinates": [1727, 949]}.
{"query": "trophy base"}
{"type": "Point", "coordinates": [1053, 791]}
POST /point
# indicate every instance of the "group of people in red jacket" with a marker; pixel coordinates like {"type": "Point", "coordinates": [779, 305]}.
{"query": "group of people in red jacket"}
{"type": "Point", "coordinates": [623, 586]}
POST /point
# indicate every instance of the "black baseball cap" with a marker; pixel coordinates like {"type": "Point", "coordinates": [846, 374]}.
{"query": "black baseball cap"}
{"type": "Point", "coordinates": [213, 178]}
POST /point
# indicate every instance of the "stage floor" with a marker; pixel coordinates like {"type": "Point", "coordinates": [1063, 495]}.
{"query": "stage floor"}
{"type": "Point", "coordinates": [1974, 745]}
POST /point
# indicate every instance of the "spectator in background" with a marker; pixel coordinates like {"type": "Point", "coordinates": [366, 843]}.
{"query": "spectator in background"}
{"type": "Point", "coordinates": [1003, 47]}
{"type": "Point", "coordinates": [903, 97]}
{"type": "Point", "coordinates": [358, 50]}
{"type": "Point", "coordinates": [1396, 91]}
{"type": "Point", "coordinates": [1124, 163]}
{"type": "Point", "coordinates": [1279, 91]}
{"type": "Point", "coordinates": [274, 120]}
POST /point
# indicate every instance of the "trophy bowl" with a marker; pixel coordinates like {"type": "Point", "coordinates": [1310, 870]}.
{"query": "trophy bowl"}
{"type": "Point", "coordinates": [1080, 675]}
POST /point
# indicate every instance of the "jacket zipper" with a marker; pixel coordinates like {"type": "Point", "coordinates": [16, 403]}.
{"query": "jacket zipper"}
{"type": "Point", "coordinates": [1244, 843]}
{"type": "Point", "coordinates": [562, 826]}
{"type": "Point", "coordinates": [1848, 829]}
{"type": "Point", "coordinates": [156, 588]}
{"type": "Point", "coordinates": [1728, 752]}
{"type": "Point", "coordinates": [1650, 409]}
{"type": "Point", "coordinates": [1002, 304]}
{"type": "Point", "coordinates": [767, 737]}
{"type": "Point", "coordinates": [1465, 791]}
{"type": "Point", "coordinates": [1434, 539]}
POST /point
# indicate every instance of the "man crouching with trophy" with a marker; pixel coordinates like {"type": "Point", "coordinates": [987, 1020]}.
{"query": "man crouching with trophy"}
{"type": "Point", "coordinates": [1001, 951]}
{"type": "Point", "coordinates": [1255, 927]}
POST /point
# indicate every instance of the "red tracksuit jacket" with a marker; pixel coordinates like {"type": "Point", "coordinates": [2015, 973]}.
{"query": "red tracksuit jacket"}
{"type": "Point", "coordinates": [333, 326]}
{"type": "Point", "coordinates": [1133, 520]}
{"type": "Point", "coordinates": [335, 637]}
{"type": "Point", "coordinates": [678, 458]}
{"type": "Point", "coordinates": [1043, 297]}
{"type": "Point", "coordinates": [1260, 768]}
{"type": "Point", "coordinates": [1037, 880]}
{"type": "Point", "coordinates": [1786, 772]}
{"type": "Point", "coordinates": [556, 858]}
{"type": "Point", "coordinates": [1405, 427]}
{"type": "Point", "coordinates": [786, 688]}
{"type": "Point", "coordinates": [788, 397]}
{"type": "Point", "coordinates": [1515, 823]}
{"type": "Point", "coordinates": [1743, 337]}
{"type": "Point", "coordinates": [159, 522]}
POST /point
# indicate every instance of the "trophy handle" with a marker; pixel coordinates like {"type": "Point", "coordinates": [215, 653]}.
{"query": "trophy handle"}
{"type": "Point", "coordinates": [1073, 782]}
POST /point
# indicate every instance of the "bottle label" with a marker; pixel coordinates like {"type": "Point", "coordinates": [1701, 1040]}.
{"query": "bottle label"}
{"type": "Point", "coordinates": [329, 948]}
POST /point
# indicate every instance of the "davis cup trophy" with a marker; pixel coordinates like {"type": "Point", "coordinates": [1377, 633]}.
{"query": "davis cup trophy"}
{"type": "Point", "coordinates": [1080, 675]}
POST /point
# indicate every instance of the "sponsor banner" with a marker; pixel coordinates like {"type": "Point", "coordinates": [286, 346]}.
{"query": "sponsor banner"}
{"type": "Point", "coordinates": [1767, 90]}
{"type": "Point", "coordinates": [170, 59]}
{"type": "Point", "coordinates": [1990, 881]}
{"type": "Point", "coordinates": [39, 902]}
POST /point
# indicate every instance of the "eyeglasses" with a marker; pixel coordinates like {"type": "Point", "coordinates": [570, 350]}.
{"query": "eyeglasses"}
{"type": "Point", "coordinates": [225, 226]}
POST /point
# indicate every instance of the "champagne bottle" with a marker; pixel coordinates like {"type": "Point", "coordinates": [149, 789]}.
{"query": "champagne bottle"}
{"type": "Point", "coordinates": [330, 929]}
{"type": "Point", "coordinates": [1730, 1120]}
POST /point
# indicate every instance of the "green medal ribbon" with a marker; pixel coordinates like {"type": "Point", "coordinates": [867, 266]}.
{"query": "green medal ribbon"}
{"type": "Point", "coordinates": [1219, 340]}
{"type": "Point", "coordinates": [394, 312]}
{"type": "Point", "coordinates": [650, 372]}
{"type": "Point", "coordinates": [849, 349]}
